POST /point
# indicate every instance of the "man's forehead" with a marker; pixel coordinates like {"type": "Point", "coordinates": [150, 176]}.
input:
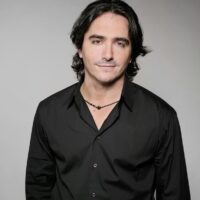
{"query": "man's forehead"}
{"type": "Point", "coordinates": [109, 16]}
{"type": "Point", "coordinates": [109, 24]}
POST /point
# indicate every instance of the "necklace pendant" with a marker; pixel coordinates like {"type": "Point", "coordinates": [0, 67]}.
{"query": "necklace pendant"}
{"type": "Point", "coordinates": [100, 107]}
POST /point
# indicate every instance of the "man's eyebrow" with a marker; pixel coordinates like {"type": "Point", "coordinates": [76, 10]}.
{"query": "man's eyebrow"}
{"type": "Point", "coordinates": [96, 36]}
{"type": "Point", "coordinates": [127, 41]}
{"type": "Point", "coordinates": [123, 39]}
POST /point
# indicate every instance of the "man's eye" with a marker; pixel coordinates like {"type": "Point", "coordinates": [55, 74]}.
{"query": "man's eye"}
{"type": "Point", "coordinates": [96, 41]}
{"type": "Point", "coordinates": [121, 44]}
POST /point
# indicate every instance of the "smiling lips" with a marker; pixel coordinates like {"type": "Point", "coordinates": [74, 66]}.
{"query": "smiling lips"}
{"type": "Point", "coordinates": [107, 64]}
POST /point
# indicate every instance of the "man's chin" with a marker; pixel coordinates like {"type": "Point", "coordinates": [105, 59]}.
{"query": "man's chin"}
{"type": "Point", "coordinates": [110, 81]}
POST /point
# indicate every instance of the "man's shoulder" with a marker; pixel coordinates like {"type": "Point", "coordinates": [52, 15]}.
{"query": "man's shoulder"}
{"type": "Point", "coordinates": [60, 98]}
{"type": "Point", "coordinates": [151, 99]}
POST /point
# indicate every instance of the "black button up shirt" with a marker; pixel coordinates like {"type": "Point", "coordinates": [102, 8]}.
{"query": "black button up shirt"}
{"type": "Point", "coordinates": [137, 151]}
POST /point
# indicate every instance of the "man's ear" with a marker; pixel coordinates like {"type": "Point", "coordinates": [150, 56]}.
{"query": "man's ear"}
{"type": "Point", "coordinates": [80, 53]}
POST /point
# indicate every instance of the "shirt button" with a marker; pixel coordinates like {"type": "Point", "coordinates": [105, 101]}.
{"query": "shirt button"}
{"type": "Point", "coordinates": [95, 165]}
{"type": "Point", "coordinates": [93, 194]}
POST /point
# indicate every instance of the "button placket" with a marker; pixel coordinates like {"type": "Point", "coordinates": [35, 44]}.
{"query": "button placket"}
{"type": "Point", "coordinates": [95, 165]}
{"type": "Point", "coordinates": [93, 194]}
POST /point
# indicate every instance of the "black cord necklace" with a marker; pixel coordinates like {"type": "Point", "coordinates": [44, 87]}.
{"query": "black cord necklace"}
{"type": "Point", "coordinates": [100, 107]}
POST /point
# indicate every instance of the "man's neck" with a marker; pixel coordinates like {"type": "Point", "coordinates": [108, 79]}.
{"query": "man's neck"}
{"type": "Point", "coordinates": [102, 93]}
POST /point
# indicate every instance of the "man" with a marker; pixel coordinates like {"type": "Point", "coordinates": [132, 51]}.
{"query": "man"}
{"type": "Point", "coordinates": [105, 137]}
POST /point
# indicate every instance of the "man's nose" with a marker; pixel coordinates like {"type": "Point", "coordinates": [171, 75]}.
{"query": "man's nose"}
{"type": "Point", "coordinates": [108, 52]}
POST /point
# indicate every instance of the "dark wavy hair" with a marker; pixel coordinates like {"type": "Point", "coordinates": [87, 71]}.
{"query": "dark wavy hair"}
{"type": "Point", "coordinates": [89, 14]}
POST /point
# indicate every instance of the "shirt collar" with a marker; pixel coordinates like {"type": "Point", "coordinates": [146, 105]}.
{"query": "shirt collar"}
{"type": "Point", "coordinates": [74, 96]}
{"type": "Point", "coordinates": [127, 94]}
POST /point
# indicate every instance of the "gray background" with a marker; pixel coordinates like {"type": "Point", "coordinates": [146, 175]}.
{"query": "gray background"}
{"type": "Point", "coordinates": [35, 58]}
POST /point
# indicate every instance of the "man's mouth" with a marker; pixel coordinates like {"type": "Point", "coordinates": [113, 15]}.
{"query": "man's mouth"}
{"type": "Point", "coordinates": [106, 65]}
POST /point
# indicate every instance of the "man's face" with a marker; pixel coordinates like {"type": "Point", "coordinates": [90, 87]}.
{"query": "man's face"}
{"type": "Point", "coordinates": [106, 49]}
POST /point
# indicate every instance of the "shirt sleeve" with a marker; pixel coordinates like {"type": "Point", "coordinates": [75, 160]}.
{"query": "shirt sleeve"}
{"type": "Point", "coordinates": [40, 171]}
{"type": "Point", "coordinates": [171, 174]}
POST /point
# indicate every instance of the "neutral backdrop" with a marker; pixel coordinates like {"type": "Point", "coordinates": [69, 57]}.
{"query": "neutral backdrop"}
{"type": "Point", "coordinates": [35, 59]}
